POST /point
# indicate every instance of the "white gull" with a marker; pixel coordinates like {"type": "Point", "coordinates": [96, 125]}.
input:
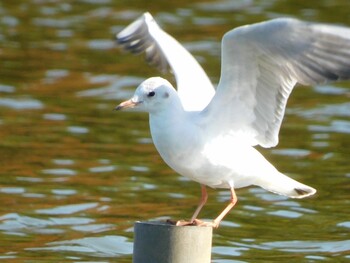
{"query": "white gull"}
{"type": "Point", "coordinates": [210, 136]}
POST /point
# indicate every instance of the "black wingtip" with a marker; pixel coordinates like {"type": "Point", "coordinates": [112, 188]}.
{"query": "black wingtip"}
{"type": "Point", "coordinates": [300, 191]}
{"type": "Point", "coordinates": [304, 192]}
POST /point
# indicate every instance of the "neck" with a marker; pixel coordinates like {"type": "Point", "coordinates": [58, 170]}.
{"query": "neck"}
{"type": "Point", "coordinates": [165, 120]}
{"type": "Point", "coordinates": [167, 115]}
{"type": "Point", "coordinates": [169, 128]}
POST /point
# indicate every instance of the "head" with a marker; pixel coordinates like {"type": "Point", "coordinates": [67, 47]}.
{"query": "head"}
{"type": "Point", "coordinates": [153, 94]}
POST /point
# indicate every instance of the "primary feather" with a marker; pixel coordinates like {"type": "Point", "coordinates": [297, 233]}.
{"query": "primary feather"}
{"type": "Point", "coordinates": [261, 64]}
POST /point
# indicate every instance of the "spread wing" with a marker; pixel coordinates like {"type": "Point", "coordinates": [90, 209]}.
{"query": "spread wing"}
{"type": "Point", "coordinates": [261, 64]}
{"type": "Point", "coordinates": [162, 50]}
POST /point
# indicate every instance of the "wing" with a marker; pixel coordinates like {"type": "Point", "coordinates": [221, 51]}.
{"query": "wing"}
{"type": "Point", "coordinates": [261, 64]}
{"type": "Point", "coordinates": [145, 36]}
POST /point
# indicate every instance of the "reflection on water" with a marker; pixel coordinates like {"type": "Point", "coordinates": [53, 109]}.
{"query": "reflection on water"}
{"type": "Point", "coordinates": [21, 104]}
{"type": "Point", "coordinates": [75, 175]}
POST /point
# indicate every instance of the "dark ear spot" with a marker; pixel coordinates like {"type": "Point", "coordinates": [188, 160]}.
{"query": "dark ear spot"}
{"type": "Point", "coordinates": [166, 95]}
{"type": "Point", "coordinates": [151, 94]}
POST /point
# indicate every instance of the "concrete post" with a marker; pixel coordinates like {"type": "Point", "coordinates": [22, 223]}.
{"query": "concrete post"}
{"type": "Point", "coordinates": [158, 242]}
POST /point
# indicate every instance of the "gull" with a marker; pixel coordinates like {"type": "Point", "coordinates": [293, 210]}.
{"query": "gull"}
{"type": "Point", "coordinates": [209, 136]}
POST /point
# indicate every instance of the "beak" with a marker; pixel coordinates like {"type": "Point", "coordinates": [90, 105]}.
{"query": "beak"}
{"type": "Point", "coordinates": [128, 104]}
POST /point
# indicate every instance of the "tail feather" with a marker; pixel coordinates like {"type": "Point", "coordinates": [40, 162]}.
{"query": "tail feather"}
{"type": "Point", "coordinates": [284, 185]}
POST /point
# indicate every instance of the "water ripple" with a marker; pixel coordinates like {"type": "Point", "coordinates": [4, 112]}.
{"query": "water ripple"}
{"type": "Point", "coordinates": [331, 90]}
{"type": "Point", "coordinates": [77, 129]}
{"type": "Point", "coordinates": [21, 104]}
{"type": "Point", "coordinates": [63, 191]}
{"type": "Point", "coordinates": [337, 126]}
{"type": "Point", "coordinates": [54, 116]}
{"type": "Point", "coordinates": [94, 228]}
{"type": "Point", "coordinates": [14, 223]}
{"type": "Point", "coordinates": [105, 246]}
{"type": "Point", "coordinates": [231, 251]}
{"type": "Point", "coordinates": [12, 190]}
{"type": "Point", "coordinates": [292, 152]}
{"type": "Point", "coordinates": [285, 213]}
{"type": "Point", "coordinates": [341, 110]}
{"type": "Point", "coordinates": [51, 22]}
{"type": "Point", "coordinates": [59, 171]}
{"type": "Point", "coordinates": [344, 224]}
{"type": "Point", "coordinates": [103, 169]}
{"type": "Point", "coordinates": [310, 246]}
{"type": "Point", "coordinates": [7, 88]}
{"type": "Point", "coordinates": [101, 44]}
{"type": "Point", "coordinates": [112, 91]}
{"type": "Point", "coordinates": [53, 75]}
{"type": "Point", "coordinates": [67, 209]}
{"type": "Point", "coordinates": [63, 161]}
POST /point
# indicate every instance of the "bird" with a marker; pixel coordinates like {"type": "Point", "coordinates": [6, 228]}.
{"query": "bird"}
{"type": "Point", "coordinates": [210, 135]}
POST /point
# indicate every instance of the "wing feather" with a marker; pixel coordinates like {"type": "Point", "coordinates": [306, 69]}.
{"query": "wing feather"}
{"type": "Point", "coordinates": [261, 64]}
{"type": "Point", "coordinates": [164, 52]}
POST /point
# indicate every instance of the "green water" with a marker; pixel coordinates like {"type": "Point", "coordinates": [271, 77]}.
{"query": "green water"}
{"type": "Point", "coordinates": [75, 175]}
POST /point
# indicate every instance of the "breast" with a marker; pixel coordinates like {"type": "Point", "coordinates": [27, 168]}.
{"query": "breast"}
{"type": "Point", "coordinates": [183, 148]}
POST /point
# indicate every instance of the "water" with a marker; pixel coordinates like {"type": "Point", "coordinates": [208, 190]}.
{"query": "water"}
{"type": "Point", "coordinates": [75, 175]}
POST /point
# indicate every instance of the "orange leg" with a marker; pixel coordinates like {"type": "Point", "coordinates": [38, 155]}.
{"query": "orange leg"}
{"type": "Point", "coordinates": [202, 202]}
{"type": "Point", "coordinates": [217, 220]}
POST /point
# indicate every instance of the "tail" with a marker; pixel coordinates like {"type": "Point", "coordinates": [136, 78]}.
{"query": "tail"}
{"type": "Point", "coordinates": [284, 185]}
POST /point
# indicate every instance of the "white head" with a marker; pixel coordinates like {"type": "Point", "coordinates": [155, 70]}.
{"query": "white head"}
{"type": "Point", "coordinates": [154, 94]}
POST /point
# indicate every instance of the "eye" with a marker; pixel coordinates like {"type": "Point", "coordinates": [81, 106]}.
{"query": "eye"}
{"type": "Point", "coordinates": [151, 94]}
